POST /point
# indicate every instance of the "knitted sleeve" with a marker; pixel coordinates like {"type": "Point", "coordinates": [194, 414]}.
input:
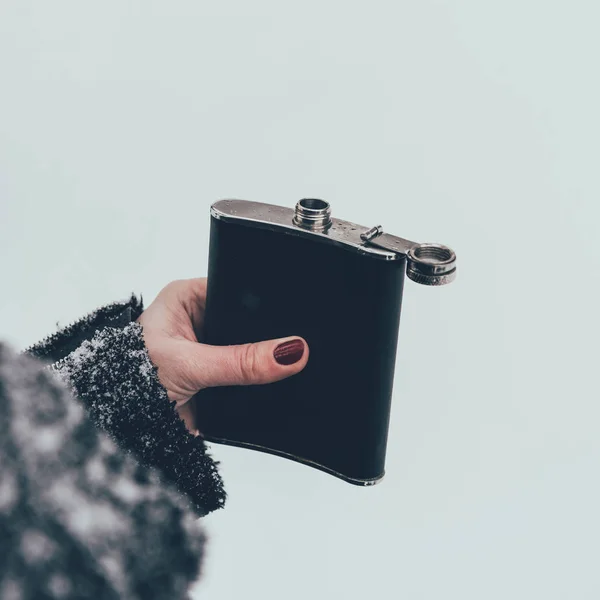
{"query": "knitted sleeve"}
{"type": "Point", "coordinates": [105, 363]}
{"type": "Point", "coordinates": [80, 518]}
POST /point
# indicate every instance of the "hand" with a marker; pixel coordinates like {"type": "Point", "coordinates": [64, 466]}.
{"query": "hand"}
{"type": "Point", "coordinates": [171, 327]}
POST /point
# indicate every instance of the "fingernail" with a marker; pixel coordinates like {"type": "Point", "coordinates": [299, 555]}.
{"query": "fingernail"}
{"type": "Point", "coordinates": [289, 353]}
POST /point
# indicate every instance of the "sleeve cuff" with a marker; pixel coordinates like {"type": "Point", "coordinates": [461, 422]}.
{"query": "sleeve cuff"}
{"type": "Point", "coordinates": [104, 360]}
{"type": "Point", "coordinates": [58, 345]}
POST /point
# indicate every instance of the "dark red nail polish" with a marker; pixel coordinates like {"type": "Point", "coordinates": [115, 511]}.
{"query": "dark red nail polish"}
{"type": "Point", "coordinates": [289, 353]}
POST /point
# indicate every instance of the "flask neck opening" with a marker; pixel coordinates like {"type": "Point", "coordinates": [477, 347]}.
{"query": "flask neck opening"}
{"type": "Point", "coordinates": [313, 214]}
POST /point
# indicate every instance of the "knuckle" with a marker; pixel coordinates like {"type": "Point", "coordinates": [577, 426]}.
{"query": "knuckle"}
{"type": "Point", "coordinates": [248, 363]}
{"type": "Point", "coordinates": [173, 286]}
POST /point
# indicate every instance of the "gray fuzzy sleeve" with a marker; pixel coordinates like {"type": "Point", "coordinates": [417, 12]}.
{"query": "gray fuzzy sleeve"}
{"type": "Point", "coordinates": [80, 518]}
{"type": "Point", "coordinates": [104, 361]}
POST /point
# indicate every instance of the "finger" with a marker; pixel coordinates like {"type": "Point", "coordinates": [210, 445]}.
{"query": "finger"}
{"type": "Point", "coordinates": [250, 364]}
{"type": "Point", "coordinates": [187, 413]}
{"type": "Point", "coordinates": [191, 295]}
{"type": "Point", "coordinates": [197, 304]}
{"type": "Point", "coordinates": [197, 290]}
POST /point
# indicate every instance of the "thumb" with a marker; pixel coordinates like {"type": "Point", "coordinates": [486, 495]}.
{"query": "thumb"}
{"type": "Point", "coordinates": [251, 364]}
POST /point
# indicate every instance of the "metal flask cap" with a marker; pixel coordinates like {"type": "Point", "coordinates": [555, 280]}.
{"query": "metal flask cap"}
{"type": "Point", "coordinates": [427, 263]}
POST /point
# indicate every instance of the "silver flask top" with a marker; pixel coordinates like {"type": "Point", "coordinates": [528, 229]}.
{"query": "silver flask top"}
{"type": "Point", "coordinates": [427, 263]}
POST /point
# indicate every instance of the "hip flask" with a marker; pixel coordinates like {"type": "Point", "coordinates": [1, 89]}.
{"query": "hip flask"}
{"type": "Point", "coordinates": [275, 271]}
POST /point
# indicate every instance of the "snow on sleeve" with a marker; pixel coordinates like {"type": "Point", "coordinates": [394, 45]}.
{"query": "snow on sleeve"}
{"type": "Point", "coordinates": [113, 376]}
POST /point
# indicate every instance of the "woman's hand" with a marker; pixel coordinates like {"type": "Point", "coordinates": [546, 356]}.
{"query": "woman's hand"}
{"type": "Point", "coordinates": [171, 326]}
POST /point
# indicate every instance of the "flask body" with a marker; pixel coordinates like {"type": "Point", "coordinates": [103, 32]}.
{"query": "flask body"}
{"type": "Point", "coordinates": [334, 415]}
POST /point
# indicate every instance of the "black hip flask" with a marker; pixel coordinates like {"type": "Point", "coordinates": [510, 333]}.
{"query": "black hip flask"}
{"type": "Point", "coordinates": [275, 272]}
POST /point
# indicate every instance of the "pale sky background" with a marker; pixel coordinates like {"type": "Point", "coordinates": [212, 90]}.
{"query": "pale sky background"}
{"type": "Point", "coordinates": [468, 122]}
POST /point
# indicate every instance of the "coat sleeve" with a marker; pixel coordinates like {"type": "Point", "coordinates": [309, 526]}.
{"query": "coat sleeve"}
{"type": "Point", "coordinates": [79, 517]}
{"type": "Point", "coordinates": [105, 363]}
